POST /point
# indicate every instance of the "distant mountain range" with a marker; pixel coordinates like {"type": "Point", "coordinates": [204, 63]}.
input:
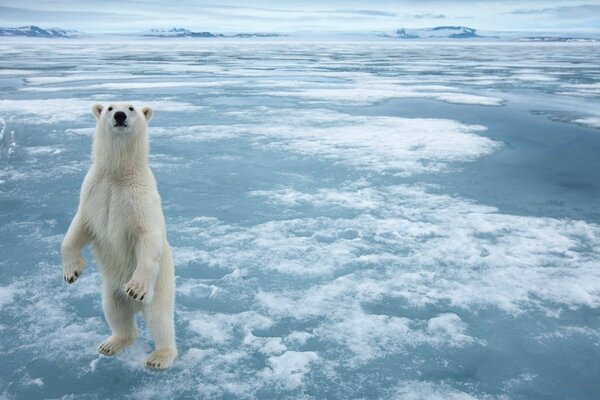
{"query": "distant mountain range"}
{"type": "Point", "coordinates": [36, 31]}
{"type": "Point", "coordinates": [439, 32]}
{"type": "Point", "coordinates": [464, 32]}
{"type": "Point", "coordinates": [182, 32]}
{"type": "Point", "coordinates": [556, 39]}
{"type": "Point", "coordinates": [435, 33]}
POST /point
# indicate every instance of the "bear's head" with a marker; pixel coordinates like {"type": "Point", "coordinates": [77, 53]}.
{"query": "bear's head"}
{"type": "Point", "coordinates": [122, 118]}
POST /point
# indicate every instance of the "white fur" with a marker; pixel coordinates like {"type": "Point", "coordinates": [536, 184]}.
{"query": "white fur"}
{"type": "Point", "coordinates": [120, 214]}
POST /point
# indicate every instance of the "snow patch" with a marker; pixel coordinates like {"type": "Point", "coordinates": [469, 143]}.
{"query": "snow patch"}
{"type": "Point", "coordinates": [289, 368]}
{"type": "Point", "coordinates": [8, 294]}
{"type": "Point", "coordinates": [592, 122]}
{"type": "Point", "coordinates": [404, 146]}
{"type": "Point", "coordinates": [427, 390]}
{"type": "Point", "coordinates": [366, 95]}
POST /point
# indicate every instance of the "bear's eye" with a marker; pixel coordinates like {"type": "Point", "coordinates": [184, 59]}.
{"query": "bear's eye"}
{"type": "Point", "coordinates": [130, 108]}
{"type": "Point", "coordinates": [109, 108]}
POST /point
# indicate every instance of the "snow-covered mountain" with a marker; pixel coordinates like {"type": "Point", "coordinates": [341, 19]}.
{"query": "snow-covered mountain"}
{"type": "Point", "coordinates": [36, 31]}
{"type": "Point", "coordinates": [173, 32]}
{"type": "Point", "coordinates": [439, 32]}
{"type": "Point", "coordinates": [557, 39]}
{"type": "Point", "coordinates": [255, 35]}
{"type": "Point", "coordinates": [206, 34]}
{"type": "Point", "coordinates": [179, 32]}
{"type": "Point", "coordinates": [182, 32]}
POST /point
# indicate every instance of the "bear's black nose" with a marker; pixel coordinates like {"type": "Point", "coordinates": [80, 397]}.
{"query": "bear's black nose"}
{"type": "Point", "coordinates": [120, 117]}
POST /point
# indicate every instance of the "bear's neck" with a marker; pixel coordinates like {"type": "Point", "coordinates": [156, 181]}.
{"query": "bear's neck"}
{"type": "Point", "coordinates": [121, 157]}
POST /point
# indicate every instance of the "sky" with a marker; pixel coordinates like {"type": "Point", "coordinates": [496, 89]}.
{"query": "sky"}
{"type": "Point", "coordinates": [229, 16]}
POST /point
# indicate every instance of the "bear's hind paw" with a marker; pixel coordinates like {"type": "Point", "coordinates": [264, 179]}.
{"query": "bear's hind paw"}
{"type": "Point", "coordinates": [114, 345]}
{"type": "Point", "coordinates": [161, 359]}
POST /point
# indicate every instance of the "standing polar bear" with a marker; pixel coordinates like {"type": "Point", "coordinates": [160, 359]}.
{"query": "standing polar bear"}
{"type": "Point", "coordinates": [120, 215]}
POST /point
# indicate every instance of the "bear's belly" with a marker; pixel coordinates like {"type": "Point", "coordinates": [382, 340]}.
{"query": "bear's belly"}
{"type": "Point", "coordinates": [111, 220]}
{"type": "Point", "coordinates": [116, 259]}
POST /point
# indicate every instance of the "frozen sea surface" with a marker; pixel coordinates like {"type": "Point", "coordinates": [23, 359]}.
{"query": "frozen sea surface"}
{"type": "Point", "coordinates": [348, 220]}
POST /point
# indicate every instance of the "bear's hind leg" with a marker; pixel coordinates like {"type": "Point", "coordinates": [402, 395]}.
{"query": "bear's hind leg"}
{"type": "Point", "coordinates": [159, 317]}
{"type": "Point", "coordinates": [119, 312]}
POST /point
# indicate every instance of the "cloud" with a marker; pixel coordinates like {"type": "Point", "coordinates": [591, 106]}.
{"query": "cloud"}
{"type": "Point", "coordinates": [429, 16]}
{"type": "Point", "coordinates": [375, 13]}
{"type": "Point", "coordinates": [578, 11]}
{"type": "Point", "coordinates": [49, 15]}
{"type": "Point", "coordinates": [309, 11]}
{"type": "Point", "coordinates": [303, 15]}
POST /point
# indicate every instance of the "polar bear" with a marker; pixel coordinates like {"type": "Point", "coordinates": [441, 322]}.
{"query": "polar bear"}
{"type": "Point", "coordinates": [120, 215]}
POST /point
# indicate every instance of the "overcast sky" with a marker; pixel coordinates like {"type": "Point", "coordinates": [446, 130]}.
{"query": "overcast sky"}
{"type": "Point", "coordinates": [292, 16]}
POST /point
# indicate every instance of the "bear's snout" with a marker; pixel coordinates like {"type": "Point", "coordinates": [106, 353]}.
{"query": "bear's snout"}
{"type": "Point", "coordinates": [120, 117]}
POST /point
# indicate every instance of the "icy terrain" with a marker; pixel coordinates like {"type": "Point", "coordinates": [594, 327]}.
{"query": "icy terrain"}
{"type": "Point", "coordinates": [369, 220]}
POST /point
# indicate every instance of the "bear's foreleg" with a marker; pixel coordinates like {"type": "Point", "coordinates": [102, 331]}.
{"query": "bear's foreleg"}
{"type": "Point", "coordinates": [75, 239]}
{"type": "Point", "coordinates": [148, 250]}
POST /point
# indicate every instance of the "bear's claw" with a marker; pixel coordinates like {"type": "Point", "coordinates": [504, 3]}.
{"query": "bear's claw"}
{"type": "Point", "coordinates": [138, 291]}
{"type": "Point", "coordinates": [72, 268]}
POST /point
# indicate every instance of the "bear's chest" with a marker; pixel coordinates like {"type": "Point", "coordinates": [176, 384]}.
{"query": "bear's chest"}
{"type": "Point", "coordinates": [112, 211]}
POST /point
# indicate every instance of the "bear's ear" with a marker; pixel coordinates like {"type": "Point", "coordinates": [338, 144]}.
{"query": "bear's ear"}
{"type": "Point", "coordinates": [97, 110]}
{"type": "Point", "coordinates": [147, 113]}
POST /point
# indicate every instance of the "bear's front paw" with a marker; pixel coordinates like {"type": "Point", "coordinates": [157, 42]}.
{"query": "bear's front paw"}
{"type": "Point", "coordinates": [139, 290]}
{"type": "Point", "coordinates": [73, 267]}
